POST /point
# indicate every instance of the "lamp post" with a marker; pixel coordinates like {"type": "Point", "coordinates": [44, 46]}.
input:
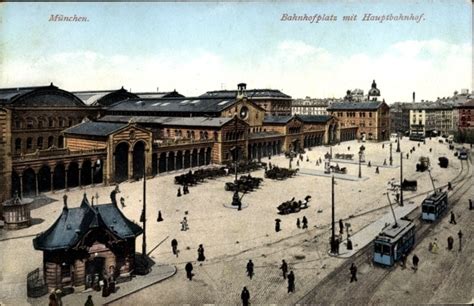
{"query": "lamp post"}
{"type": "Point", "coordinates": [360, 163]}
{"type": "Point", "coordinates": [391, 158]}
{"type": "Point", "coordinates": [398, 142]}
{"type": "Point", "coordinates": [334, 246]}
{"type": "Point", "coordinates": [235, 198]}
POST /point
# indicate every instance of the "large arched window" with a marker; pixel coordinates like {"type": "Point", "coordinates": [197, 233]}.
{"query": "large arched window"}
{"type": "Point", "coordinates": [39, 143]}
{"type": "Point", "coordinates": [29, 143]}
{"type": "Point", "coordinates": [18, 144]}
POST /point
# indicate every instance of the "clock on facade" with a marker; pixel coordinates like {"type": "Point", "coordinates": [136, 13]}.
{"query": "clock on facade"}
{"type": "Point", "coordinates": [244, 111]}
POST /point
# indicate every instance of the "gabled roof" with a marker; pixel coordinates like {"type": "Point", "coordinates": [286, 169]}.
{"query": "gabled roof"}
{"type": "Point", "coordinates": [41, 96]}
{"type": "Point", "coordinates": [251, 94]}
{"type": "Point", "coordinates": [368, 105]}
{"type": "Point", "coordinates": [174, 105]}
{"type": "Point", "coordinates": [315, 118]}
{"type": "Point", "coordinates": [159, 95]}
{"type": "Point", "coordinates": [94, 128]}
{"type": "Point", "coordinates": [74, 223]}
{"type": "Point", "coordinates": [277, 119]}
{"type": "Point", "coordinates": [170, 121]}
{"type": "Point", "coordinates": [104, 97]}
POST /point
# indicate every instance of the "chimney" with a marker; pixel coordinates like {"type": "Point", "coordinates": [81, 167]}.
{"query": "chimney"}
{"type": "Point", "coordinates": [65, 201]}
{"type": "Point", "coordinates": [414, 97]}
{"type": "Point", "coordinates": [241, 88]}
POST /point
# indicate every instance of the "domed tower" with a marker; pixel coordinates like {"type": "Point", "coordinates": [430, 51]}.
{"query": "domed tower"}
{"type": "Point", "coordinates": [374, 92]}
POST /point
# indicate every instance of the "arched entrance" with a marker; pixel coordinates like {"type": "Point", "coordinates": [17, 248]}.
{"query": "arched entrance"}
{"type": "Point", "coordinates": [73, 175]}
{"type": "Point", "coordinates": [201, 157]}
{"type": "Point", "coordinates": [162, 163]}
{"type": "Point", "coordinates": [15, 184]}
{"type": "Point", "coordinates": [29, 182]}
{"type": "Point", "coordinates": [98, 171]}
{"type": "Point", "coordinates": [208, 156]}
{"type": "Point", "coordinates": [171, 161]}
{"type": "Point", "coordinates": [121, 162]}
{"type": "Point", "coordinates": [138, 159]}
{"type": "Point", "coordinates": [194, 158]}
{"type": "Point", "coordinates": [86, 173]}
{"type": "Point", "coordinates": [59, 177]}
{"type": "Point", "coordinates": [179, 160]}
{"type": "Point", "coordinates": [44, 179]}
{"type": "Point", "coordinates": [187, 159]}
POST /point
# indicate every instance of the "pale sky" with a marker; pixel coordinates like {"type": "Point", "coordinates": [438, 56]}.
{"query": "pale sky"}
{"type": "Point", "coordinates": [197, 47]}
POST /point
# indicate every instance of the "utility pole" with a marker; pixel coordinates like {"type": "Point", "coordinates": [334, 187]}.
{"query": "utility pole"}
{"type": "Point", "coordinates": [333, 237]}
{"type": "Point", "coordinates": [401, 179]}
{"type": "Point", "coordinates": [144, 207]}
{"type": "Point", "coordinates": [391, 159]}
{"type": "Point", "coordinates": [398, 142]}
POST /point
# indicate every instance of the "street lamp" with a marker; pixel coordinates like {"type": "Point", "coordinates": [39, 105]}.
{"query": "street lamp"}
{"type": "Point", "coordinates": [235, 198]}
{"type": "Point", "coordinates": [398, 142]}
{"type": "Point", "coordinates": [391, 159]}
{"type": "Point", "coordinates": [360, 165]}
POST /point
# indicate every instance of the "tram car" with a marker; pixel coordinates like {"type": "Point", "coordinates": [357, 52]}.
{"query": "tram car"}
{"type": "Point", "coordinates": [393, 242]}
{"type": "Point", "coordinates": [434, 206]}
{"type": "Point", "coordinates": [417, 137]}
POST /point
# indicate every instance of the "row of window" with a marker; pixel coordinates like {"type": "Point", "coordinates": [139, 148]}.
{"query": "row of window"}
{"type": "Point", "coordinates": [189, 134]}
{"type": "Point", "coordinates": [234, 135]}
{"type": "Point", "coordinates": [41, 143]}
{"type": "Point", "coordinates": [30, 123]}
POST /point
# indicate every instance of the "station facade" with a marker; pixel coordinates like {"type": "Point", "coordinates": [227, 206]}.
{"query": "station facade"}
{"type": "Point", "coordinates": [52, 139]}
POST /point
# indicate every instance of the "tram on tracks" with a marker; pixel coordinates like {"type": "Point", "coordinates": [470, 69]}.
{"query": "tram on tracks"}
{"type": "Point", "coordinates": [434, 206]}
{"type": "Point", "coordinates": [462, 154]}
{"type": "Point", "coordinates": [394, 241]}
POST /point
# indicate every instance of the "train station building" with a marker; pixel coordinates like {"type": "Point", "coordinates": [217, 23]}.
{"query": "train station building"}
{"type": "Point", "coordinates": [52, 139]}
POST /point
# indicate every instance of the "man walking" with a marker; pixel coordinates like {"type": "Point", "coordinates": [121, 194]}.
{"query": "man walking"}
{"type": "Point", "coordinates": [341, 227]}
{"type": "Point", "coordinates": [416, 260]}
{"type": "Point", "coordinates": [291, 282]}
{"type": "Point", "coordinates": [298, 224]}
{"type": "Point", "coordinates": [284, 268]}
{"type": "Point", "coordinates": [453, 218]}
{"type": "Point", "coordinates": [250, 269]}
{"type": "Point", "coordinates": [353, 270]}
{"type": "Point", "coordinates": [174, 246]}
{"type": "Point", "coordinates": [450, 243]}
{"type": "Point", "coordinates": [245, 296]}
{"type": "Point", "coordinates": [305, 222]}
{"type": "Point", "coordinates": [460, 240]}
{"type": "Point", "coordinates": [189, 270]}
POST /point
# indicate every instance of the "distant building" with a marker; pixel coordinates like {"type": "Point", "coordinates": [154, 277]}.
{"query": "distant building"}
{"type": "Point", "coordinates": [308, 106]}
{"type": "Point", "coordinates": [431, 118]}
{"type": "Point", "coordinates": [400, 117]}
{"type": "Point", "coordinates": [371, 117]}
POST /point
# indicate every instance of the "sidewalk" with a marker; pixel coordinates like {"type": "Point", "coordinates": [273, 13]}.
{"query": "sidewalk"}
{"type": "Point", "coordinates": [139, 282]}
{"type": "Point", "coordinates": [368, 233]}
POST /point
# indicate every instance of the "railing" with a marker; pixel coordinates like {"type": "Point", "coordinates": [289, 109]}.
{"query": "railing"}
{"type": "Point", "coordinates": [35, 284]}
{"type": "Point", "coordinates": [54, 152]}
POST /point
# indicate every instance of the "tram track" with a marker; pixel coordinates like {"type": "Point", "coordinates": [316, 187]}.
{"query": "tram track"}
{"type": "Point", "coordinates": [328, 290]}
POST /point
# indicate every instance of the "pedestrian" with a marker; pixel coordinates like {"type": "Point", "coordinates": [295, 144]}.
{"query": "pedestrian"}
{"type": "Point", "coordinates": [298, 163]}
{"type": "Point", "coordinates": [460, 240]}
{"type": "Point", "coordinates": [369, 164]}
{"type": "Point", "coordinates": [348, 148]}
{"type": "Point", "coordinates": [453, 218]}
{"type": "Point", "coordinates": [200, 251]}
{"type": "Point", "coordinates": [245, 296]}
{"type": "Point", "coordinates": [341, 227]}
{"type": "Point", "coordinates": [305, 222]}
{"type": "Point", "coordinates": [307, 159]}
{"type": "Point", "coordinates": [450, 243]}
{"type": "Point", "coordinates": [415, 260]}
{"type": "Point", "coordinates": [385, 162]}
{"type": "Point", "coordinates": [298, 223]}
{"type": "Point", "coordinates": [250, 269]}
{"type": "Point", "coordinates": [174, 247]}
{"type": "Point", "coordinates": [189, 271]}
{"type": "Point", "coordinates": [277, 225]}
{"type": "Point", "coordinates": [353, 270]}
{"type": "Point", "coordinates": [89, 301]}
{"type": "Point", "coordinates": [179, 192]}
{"type": "Point", "coordinates": [450, 186]}
{"type": "Point", "coordinates": [122, 202]}
{"type": "Point", "coordinates": [284, 268]}
{"type": "Point", "coordinates": [184, 224]}
{"type": "Point", "coordinates": [383, 145]}
{"type": "Point", "coordinates": [291, 282]}
{"type": "Point", "coordinates": [377, 170]}
{"type": "Point", "coordinates": [404, 260]}
{"type": "Point", "coordinates": [160, 218]}
{"type": "Point", "coordinates": [105, 288]}
{"type": "Point", "coordinates": [431, 150]}
{"type": "Point", "coordinates": [435, 247]}
{"type": "Point", "coordinates": [52, 300]}
{"type": "Point", "coordinates": [470, 204]}
{"type": "Point", "coordinates": [408, 155]}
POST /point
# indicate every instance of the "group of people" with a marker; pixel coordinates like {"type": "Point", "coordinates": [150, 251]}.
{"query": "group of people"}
{"type": "Point", "coordinates": [189, 266]}
{"type": "Point", "coordinates": [304, 222]}
{"type": "Point", "coordinates": [185, 190]}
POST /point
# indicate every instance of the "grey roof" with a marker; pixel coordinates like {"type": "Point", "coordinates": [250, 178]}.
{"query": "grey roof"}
{"type": "Point", "coordinates": [368, 105]}
{"type": "Point", "coordinates": [277, 119]}
{"type": "Point", "coordinates": [314, 118]}
{"type": "Point", "coordinates": [74, 223]}
{"type": "Point", "coordinates": [49, 96]}
{"type": "Point", "coordinates": [159, 95]}
{"type": "Point", "coordinates": [94, 128]}
{"type": "Point", "coordinates": [251, 93]}
{"type": "Point", "coordinates": [393, 233]}
{"type": "Point", "coordinates": [170, 121]}
{"type": "Point", "coordinates": [174, 105]}
{"type": "Point", "coordinates": [104, 97]}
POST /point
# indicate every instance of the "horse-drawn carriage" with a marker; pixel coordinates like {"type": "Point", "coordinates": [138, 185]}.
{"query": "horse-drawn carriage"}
{"type": "Point", "coordinates": [337, 169]}
{"type": "Point", "coordinates": [290, 154]}
{"type": "Point", "coordinates": [293, 206]}
{"type": "Point", "coordinates": [277, 173]}
{"type": "Point", "coordinates": [424, 163]}
{"type": "Point", "coordinates": [409, 185]}
{"type": "Point", "coordinates": [443, 162]}
{"type": "Point", "coordinates": [245, 183]}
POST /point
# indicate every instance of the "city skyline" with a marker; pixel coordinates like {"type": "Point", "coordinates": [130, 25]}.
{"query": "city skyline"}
{"type": "Point", "coordinates": [198, 47]}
